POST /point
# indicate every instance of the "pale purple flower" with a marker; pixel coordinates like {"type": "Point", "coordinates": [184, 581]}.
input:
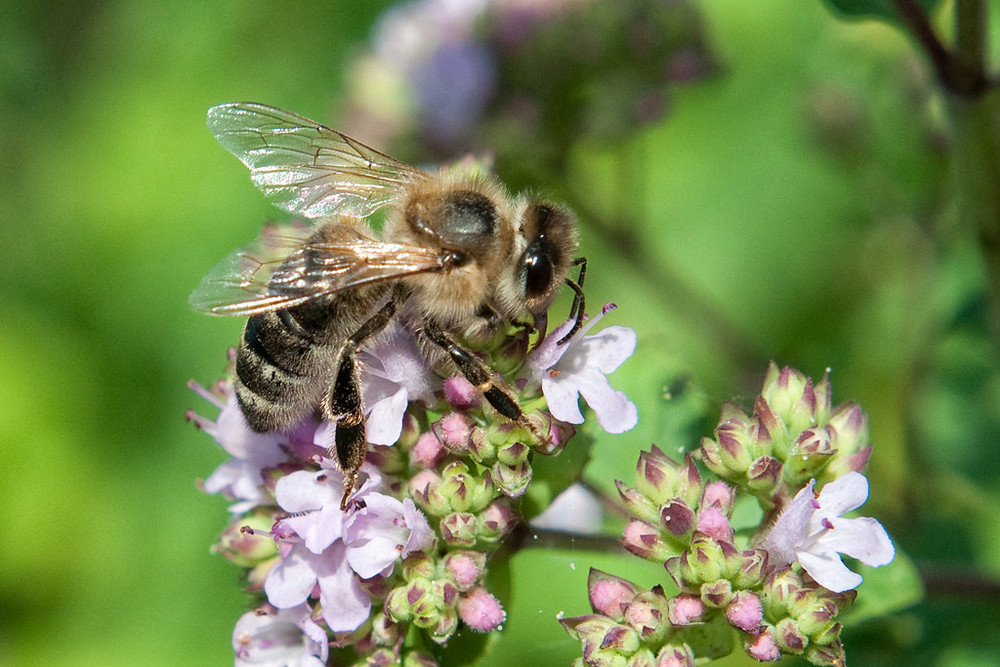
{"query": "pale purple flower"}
{"type": "Point", "coordinates": [240, 477]}
{"type": "Point", "coordinates": [813, 532]}
{"type": "Point", "coordinates": [578, 368]}
{"type": "Point", "coordinates": [331, 549]}
{"type": "Point", "coordinates": [393, 373]}
{"type": "Point", "coordinates": [384, 531]}
{"type": "Point", "coordinates": [278, 637]}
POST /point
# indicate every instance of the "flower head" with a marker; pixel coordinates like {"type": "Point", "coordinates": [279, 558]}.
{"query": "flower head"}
{"type": "Point", "coordinates": [279, 637]}
{"type": "Point", "coordinates": [813, 532]}
{"type": "Point", "coordinates": [579, 368]}
{"type": "Point", "coordinates": [393, 373]}
{"type": "Point", "coordinates": [239, 477]}
{"type": "Point", "coordinates": [330, 548]}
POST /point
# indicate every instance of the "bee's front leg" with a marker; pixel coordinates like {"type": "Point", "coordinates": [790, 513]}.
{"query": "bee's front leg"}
{"type": "Point", "coordinates": [476, 372]}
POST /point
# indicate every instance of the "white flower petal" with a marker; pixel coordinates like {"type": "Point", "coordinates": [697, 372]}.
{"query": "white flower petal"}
{"type": "Point", "coordinates": [345, 604]}
{"type": "Point", "coordinates": [385, 422]}
{"type": "Point", "coordinates": [290, 581]}
{"type": "Point", "coordinates": [829, 571]}
{"type": "Point", "coordinates": [615, 413]}
{"type": "Point", "coordinates": [318, 530]}
{"type": "Point", "coordinates": [303, 490]}
{"type": "Point", "coordinates": [609, 349]}
{"type": "Point", "coordinates": [789, 530]}
{"type": "Point", "coordinates": [562, 399]}
{"type": "Point", "coordinates": [843, 494]}
{"type": "Point", "coordinates": [863, 538]}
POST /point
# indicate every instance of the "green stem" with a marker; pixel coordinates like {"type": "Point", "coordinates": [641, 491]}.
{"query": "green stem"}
{"type": "Point", "coordinates": [976, 174]}
{"type": "Point", "coordinates": [970, 37]}
{"type": "Point", "coordinates": [915, 19]}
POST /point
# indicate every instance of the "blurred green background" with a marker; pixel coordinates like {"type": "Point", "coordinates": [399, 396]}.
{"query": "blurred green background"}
{"type": "Point", "coordinates": [792, 205]}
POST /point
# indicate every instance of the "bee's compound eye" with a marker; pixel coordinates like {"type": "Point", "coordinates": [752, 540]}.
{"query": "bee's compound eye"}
{"type": "Point", "coordinates": [538, 267]}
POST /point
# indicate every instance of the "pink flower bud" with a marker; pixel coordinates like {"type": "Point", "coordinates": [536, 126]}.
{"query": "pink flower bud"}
{"type": "Point", "coordinates": [763, 648]}
{"type": "Point", "coordinates": [481, 611]}
{"type": "Point", "coordinates": [465, 567]}
{"type": "Point", "coordinates": [426, 452]}
{"type": "Point", "coordinates": [460, 393]}
{"type": "Point", "coordinates": [686, 609]}
{"type": "Point", "coordinates": [609, 595]}
{"type": "Point", "coordinates": [719, 495]}
{"type": "Point", "coordinates": [455, 432]}
{"type": "Point", "coordinates": [745, 612]}
{"type": "Point", "coordinates": [714, 523]}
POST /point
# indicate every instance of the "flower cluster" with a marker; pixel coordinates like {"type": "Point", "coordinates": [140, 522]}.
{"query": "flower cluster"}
{"type": "Point", "coordinates": [405, 563]}
{"type": "Point", "coordinates": [775, 593]}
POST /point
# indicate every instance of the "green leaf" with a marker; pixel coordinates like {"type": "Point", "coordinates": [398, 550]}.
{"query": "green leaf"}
{"type": "Point", "coordinates": [881, 9]}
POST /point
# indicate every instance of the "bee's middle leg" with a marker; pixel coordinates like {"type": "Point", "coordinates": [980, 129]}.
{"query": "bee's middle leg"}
{"type": "Point", "coordinates": [343, 405]}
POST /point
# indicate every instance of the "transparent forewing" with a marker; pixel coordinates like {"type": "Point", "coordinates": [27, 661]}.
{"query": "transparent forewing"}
{"type": "Point", "coordinates": [279, 271]}
{"type": "Point", "coordinates": [304, 167]}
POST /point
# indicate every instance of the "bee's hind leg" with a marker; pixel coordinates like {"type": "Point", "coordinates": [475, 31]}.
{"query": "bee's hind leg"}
{"type": "Point", "coordinates": [343, 402]}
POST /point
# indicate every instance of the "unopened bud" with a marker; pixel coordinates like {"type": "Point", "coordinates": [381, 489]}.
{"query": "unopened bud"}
{"type": "Point", "coordinates": [513, 480]}
{"type": "Point", "coordinates": [609, 595]}
{"type": "Point", "coordinates": [481, 611]}
{"type": "Point", "coordinates": [459, 529]}
{"type": "Point", "coordinates": [745, 612]}
{"type": "Point", "coordinates": [465, 568]}
{"type": "Point", "coordinates": [496, 520]}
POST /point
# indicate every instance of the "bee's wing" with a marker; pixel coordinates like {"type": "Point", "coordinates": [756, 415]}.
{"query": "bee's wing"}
{"type": "Point", "coordinates": [304, 167]}
{"type": "Point", "coordinates": [281, 271]}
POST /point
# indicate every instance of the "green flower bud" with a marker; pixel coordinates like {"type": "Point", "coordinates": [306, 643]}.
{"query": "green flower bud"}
{"type": "Point", "coordinates": [789, 637]}
{"type": "Point", "coordinates": [677, 520]}
{"type": "Point", "coordinates": [848, 427]}
{"type": "Point", "coordinates": [659, 478]}
{"type": "Point", "coordinates": [794, 399]}
{"type": "Point", "coordinates": [811, 452]}
{"type": "Point", "coordinates": [481, 446]}
{"type": "Point", "coordinates": [447, 623]}
{"type": "Point", "coordinates": [512, 481]}
{"type": "Point", "coordinates": [832, 654]}
{"type": "Point", "coordinates": [815, 609]}
{"type": "Point", "coordinates": [246, 541]}
{"type": "Point", "coordinates": [513, 453]}
{"type": "Point", "coordinates": [605, 643]}
{"type": "Point", "coordinates": [763, 477]}
{"type": "Point", "coordinates": [648, 614]}
{"type": "Point", "coordinates": [710, 640]}
{"type": "Point", "coordinates": [779, 592]}
{"type": "Point", "coordinates": [459, 529]}
{"type": "Point", "coordinates": [638, 504]}
{"type": "Point", "coordinates": [750, 574]}
{"type": "Point", "coordinates": [717, 594]}
{"type": "Point", "coordinates": [384, 631]}
{"type": "Point", "coordinates": [643, 658]}
{"type": "Point", "coordinates": [496, 520]}
{"type": "Point", "coordinates": [416, 565]}
{"type": "Point", "coordinates": [463, 490]}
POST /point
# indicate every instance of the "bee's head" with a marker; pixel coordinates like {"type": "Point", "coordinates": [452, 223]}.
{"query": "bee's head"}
{"type": "Point", "coordinates": [550, 232]}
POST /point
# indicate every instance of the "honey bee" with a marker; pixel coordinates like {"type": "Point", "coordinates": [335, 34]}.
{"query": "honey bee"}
{"type": "Point", "coordinates": [458, 260]}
